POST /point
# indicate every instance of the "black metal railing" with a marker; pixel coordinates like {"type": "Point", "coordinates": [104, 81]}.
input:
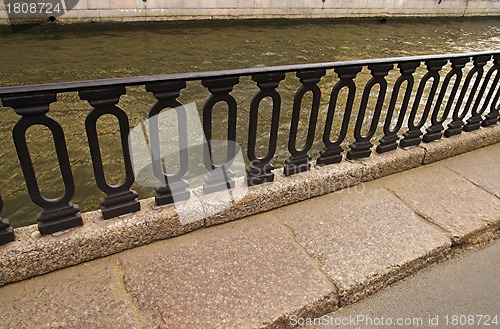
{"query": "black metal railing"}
{"type": "Point", "coordinates": [472, 102]}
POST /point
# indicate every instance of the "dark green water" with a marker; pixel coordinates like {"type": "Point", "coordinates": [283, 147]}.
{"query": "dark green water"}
{"type": "Point", "coordinates": [55, 53]}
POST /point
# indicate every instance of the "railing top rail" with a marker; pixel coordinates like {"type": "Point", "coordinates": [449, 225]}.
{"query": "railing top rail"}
{"type": "Point", "coordinates": [141, 80]}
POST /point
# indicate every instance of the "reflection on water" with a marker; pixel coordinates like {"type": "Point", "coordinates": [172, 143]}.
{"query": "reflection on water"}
{"type": "Point", "coordinates": [68, 53]}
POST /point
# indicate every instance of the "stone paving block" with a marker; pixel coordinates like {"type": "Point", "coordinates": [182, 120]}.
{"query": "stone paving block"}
{"type": "Point", "coordinates": [466, 284]}
{"type": "Point", "coordinates": [243, 274]}
{"type": "Point", "coordinates": [446, 199]}
{"type": "Point", "coordinates": [86, 296]}
{"type": "Point", "coordinates": [480, 167]}
{"type": "Point", "coordinates": [364, 238]}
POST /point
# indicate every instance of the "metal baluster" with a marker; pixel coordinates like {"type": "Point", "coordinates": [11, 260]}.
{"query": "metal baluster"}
{"type": "Point", "coordinates": [119, 199]}
{"type": "Point", "coordinates": [57, 214]}
{"type": "Point", "coordinates": [260, 169]}
{"type": "Point", "coordinates": [492, 117]}
{"type": "Point", "coordinates": [434, 132]}
{"type": "Point", "coordinates": [389, 141]}
{"type": "Point", "coordinates": [174, 188]}
{"type": "Point", "coordinates": [6, 232]}
{"type": "Point", "coordinates": [455, 127]}
{"type": "Point", "coordinates": [219, 177]}
{"type": "Point", "coordinates": [332, 152]}
{"type": "Point", "coordinates": [361, 147]}
{"type": "Point", "coordinates": [299, 159]}
{"type": "Point", "coordinates": [474, 122]}
{"type": "Point", "coordinates": [412, 136]}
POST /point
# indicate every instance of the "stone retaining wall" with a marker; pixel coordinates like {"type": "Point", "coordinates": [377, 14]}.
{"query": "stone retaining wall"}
{"type": "Point", "coordinates": [164, 10]}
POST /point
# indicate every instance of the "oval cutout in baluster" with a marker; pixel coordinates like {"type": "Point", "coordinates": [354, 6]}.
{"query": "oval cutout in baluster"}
{"type": "Point", "coordinates": [264, 119]}
{"type": "Point", "coordinates": [50, 181]}
{"type": "Point", "coordinates": [370, 110]}
{"type": "Point", "coordinates": [110, 145]}
{"type": "Point", "coordinates": [339, 115]}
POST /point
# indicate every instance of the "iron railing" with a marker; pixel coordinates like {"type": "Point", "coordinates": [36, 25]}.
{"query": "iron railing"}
{"type": "Point", "coordinates": [472, 102]}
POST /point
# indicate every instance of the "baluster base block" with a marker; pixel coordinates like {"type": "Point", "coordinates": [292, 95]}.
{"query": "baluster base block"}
{"type": "Point", "coordinates": [454, 128]}
{"type": "Point", "coordinates": [411, 138]}
{"type": "Point", "coordinates": [429, 137]}
{"type": "Point", "coordinates": [257, 174]}
{"type": "Point", "coordinates": [353, 155]}
{"type": "Point", "coordinates": [60, 219]}
{"type": "Point", "coordinates": [330, 156]}
{"type": "Point", "coordinates": [387, 144]}
{"type": "Point", "coordinates": [295, 165]}
{"type": "Point", "coordinates": [121, 204]}
{"type": "Point", "coordinates": [452, 132]}
{"type": "Point", "coordinates": [218, 179]}
{"type": "Point", "coordinates": [174, 192]}
{"type": "Point", "coordinates": [410, 142]}
{"type": "Point", "coordinates": [472, 126]}
{"type": "Point", "coordinates": [432, 137]}
{"type": "Point", "coordinates": [383, 148]}
{"type": "Point", "coordinates": [489, 121]}
{"type": "Point", "coordinates": [6, 233]}
{"type": "Point", "coordinates": [359, 150]}
{"type": "Point", "coordinates": [434, 132]}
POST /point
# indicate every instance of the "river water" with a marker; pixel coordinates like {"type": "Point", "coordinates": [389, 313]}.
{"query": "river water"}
{"type": "Point", "coordinates": [54, 53]}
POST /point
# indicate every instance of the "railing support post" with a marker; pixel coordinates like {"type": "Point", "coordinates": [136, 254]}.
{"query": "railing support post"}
{"type": "Point", "coordinates": [119, 200]}
{"type": "Point", "coordinates": [260, 169]}
{"type": "Point", "coordinates": [57, 214]}
{"type": "Point", "coordinates": [412, 136]}
{"type": "Point", "coordinates": [474, 122]}
{"type": "Point", "coordinates": [173, 188]}
{"type": "Point", "coordinates": [434, 132]}
{"type": "Point", "coordinates": [219, 177]}
{"type": "Point", "coordinates": [361, 147]}
{"type": "Point", "coordinates": [492, 117]}
{"type": "Point", "coordinates": [390, 139]}
{"type": "Point", "coordinates": [332, 152]}
{"type": "Point", "coordinates": [299, 159]}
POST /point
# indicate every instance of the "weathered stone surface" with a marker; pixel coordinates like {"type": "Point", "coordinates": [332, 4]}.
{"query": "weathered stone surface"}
{"type": "Point", "coordinates": [33, 254]}
{"type": "Point", "coordinates": [446, 199]}
{"type": "Point", "coordinates": [380, 165]}
{"type": "Point", "coordinates": [465, 142]}
{"type": "Point", "coordinates": [87, 296]}
{"type": "Point", "coordinates": [364, 237]}
{"type": "Point", "coordinates": [238, 275]}
{"type": "Point", "coordinates": [287, 190]}
{"type": "Point", "coordinates": [480, 167]}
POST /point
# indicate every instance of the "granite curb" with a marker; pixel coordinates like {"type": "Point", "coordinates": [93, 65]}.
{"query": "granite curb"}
{"type": "Point", "coordinates": [31, 255]}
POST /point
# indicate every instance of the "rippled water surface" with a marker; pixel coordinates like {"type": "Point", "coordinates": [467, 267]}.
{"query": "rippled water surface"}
{"type": "Point", "coordinates": [54, 53]}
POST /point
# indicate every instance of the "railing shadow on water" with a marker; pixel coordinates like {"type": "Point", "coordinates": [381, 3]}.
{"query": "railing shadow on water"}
{"type": "Point", "coordinates": [399, 103]}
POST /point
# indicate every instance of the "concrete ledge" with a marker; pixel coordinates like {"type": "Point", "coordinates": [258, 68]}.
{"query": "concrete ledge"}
{"type": "Point", "coordinates": [32, 255]}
